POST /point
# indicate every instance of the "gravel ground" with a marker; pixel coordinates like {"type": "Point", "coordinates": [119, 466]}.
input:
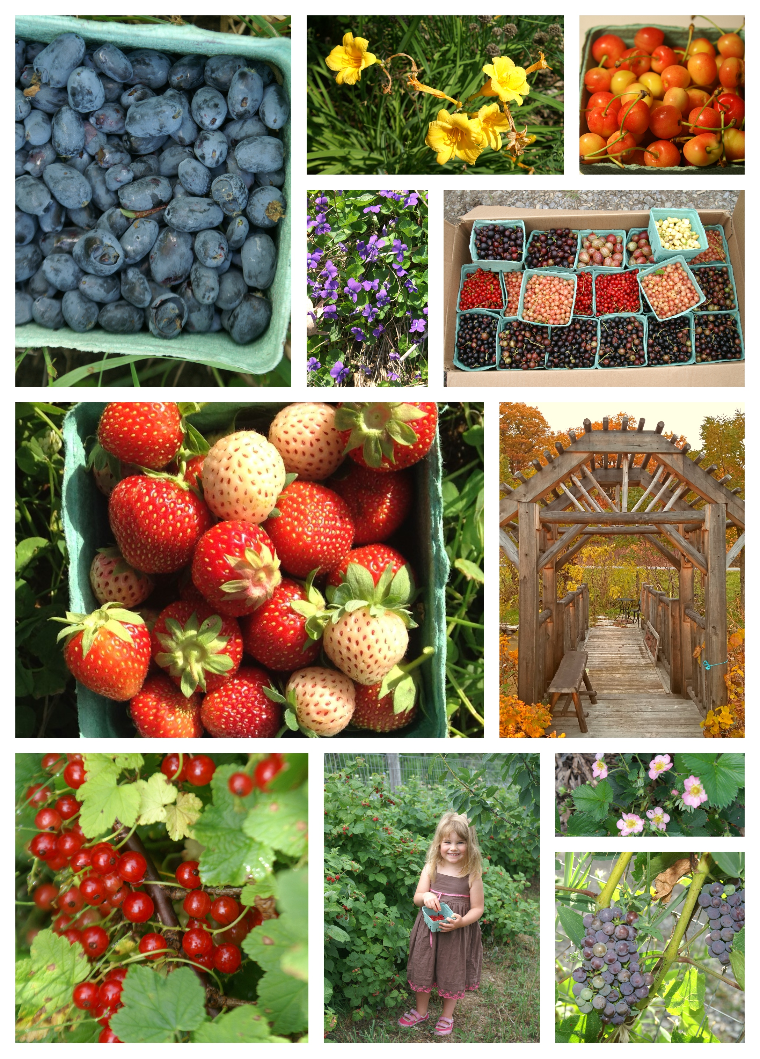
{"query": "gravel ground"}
{"type": "Point", "coordinates": [457, 203]}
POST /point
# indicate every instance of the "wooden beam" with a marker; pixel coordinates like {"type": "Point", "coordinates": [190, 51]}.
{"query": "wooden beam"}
{"type": "Point", "coordinates": [686, 597]}
{"type": "Point", "coordinates": [657, 476]}
{"type": "Point", "coordinates": [701, 483]}
{"type": "Point", "coordinates": [509, 548]}
{"type": "Point", "coordinates": [671, 478]}
{"type": "Point", "coordinates": [624, 493]}
{"type": "Point", "coordinates": [683, 546]}
{"type": "Point", "coordinates": [576, 503]}
{"type": "Point", "coordinates": [632, 518]}
{"type": "Point", "coordinates": [539, 484]}
{"type": "Point", "coordinates": [599, 489]}
{"type": "Point", "coordinates": [647, 441]}
{"type": "Point", "coordinates": [698, 620]}
{"type": "Point", "coordinates": [735, 551]}
{"type": "Point", "coordinates": [716, 625]}
{"type": "Point", "coordinates": [585, 493]}
{"type": "Point", "coordinates": [527, 633]}
{"type": "Point", "coordinates": [551, 553]}
{"type": "Point", "coordinates": [568, 555]}
{"type": "Point", "coordinates": [669, 555]}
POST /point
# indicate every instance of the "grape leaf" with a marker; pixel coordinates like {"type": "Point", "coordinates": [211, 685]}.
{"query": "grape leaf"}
{"type": "Point", "coordinates": [45, 981]}
{"type": "Point", "coordinates": [284, 1001]}
{"type": "Point", "coordinates": [103, 800]}
{"type": "Point", "coordinates": [582, 824]}
{"type": "Point", "coordinates": [240, 1026]}
{"type": "Point", "coordinates": [572, 923]}
{"type": "Point", "coordinates": [686, 993]}
{"type": "Point", "coordinates": [281, 822]}
{"type": "Point", "coordinates": [594, 801]}
{"type": "Point", "coordinates": [155, 794]}
{"type": "Point", "coordinates": [156, 1009]}
{"type": "Point", "coordinates": [721, 775]}
{"type": "Point", "coordinates": [730, 863]}
{"type": "Point", "coordinates": [565, 1031]}
{"type": "Point", "coordinates": [181, 816]}
{"type": "Point", "coordinates": [231, 857]}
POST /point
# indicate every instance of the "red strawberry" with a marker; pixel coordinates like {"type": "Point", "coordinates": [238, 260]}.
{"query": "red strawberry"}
{"type": "Point", "coordinates": [375, 712]}
{"type": "Point", "coordinates": [378, 502]}
{"type": "Point", "coordinates": [194, 469]}
{"type": "Point", "coordinates": [148, 433]}
{"type": "Point", "coordinates": [241, 710]}
{"type": "Point", "coordinates": [161, 710]}
{"type": "Point", "coordinates": [387, 435]}
{"type": "Point", "coordinates": [313, 530]}
{"type": "Point", "coordinates": [305, 436]}
{"type": "Point", "coordinates": [235, 567]}
{"type": "Point", "coordinates": [114, 581]}
{"type": "Point", "coordinates": [198, 648]}
{"type": "Point", "coordinates": [157, 522]}
{"type": "Point", "coordinates": [373, 557]}
{"type": "Point", "coordinates": [108, 651]}
{"type": "Point", "coordinates": [275, 634]}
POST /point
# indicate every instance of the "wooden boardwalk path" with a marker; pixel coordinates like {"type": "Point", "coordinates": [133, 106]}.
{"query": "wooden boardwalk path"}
{"type": "Point", "coordinates": [633, 700]}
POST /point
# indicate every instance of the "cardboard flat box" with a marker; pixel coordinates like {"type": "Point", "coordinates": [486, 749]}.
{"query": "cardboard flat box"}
{"type": "Point", "coordinates": [456, 253]}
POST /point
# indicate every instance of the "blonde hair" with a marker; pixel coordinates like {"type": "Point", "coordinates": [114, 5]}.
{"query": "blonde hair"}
{"type": "Point", "coordinates": [460, 826]}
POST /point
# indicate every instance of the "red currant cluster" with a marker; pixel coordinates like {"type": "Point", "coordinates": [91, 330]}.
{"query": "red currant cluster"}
{"type": "Point", "coordinates": [481, 290]}
{"type": "Point", "coordinates": [617, 292]}
{"type": "Point", "coordinates": [583, 294]}
{"type": "Point", "coordinates": [210, 949]}
{"type": "Point", "coordinates": [241, 784]}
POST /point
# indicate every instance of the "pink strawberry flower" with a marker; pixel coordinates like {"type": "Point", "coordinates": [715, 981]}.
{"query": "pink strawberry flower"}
{"type": "Point", "coordinates": [659, 764]}
{"type": "Point", "coordinates": [658, 818]}
{"type": "Point", "coordinates": [599, 768]}
{"type": "Point", "coordinates": [630, 824]}
{"type": "Point", "coordinates": [694, 792]}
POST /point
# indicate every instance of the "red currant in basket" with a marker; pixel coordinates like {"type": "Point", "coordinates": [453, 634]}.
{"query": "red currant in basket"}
{"type": "Point", "coordinates": [138, 907]}
{"type": "Point", "coordinates": [187, 875]}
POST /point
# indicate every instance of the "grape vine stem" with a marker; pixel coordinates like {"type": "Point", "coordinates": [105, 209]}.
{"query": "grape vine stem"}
{"type": "Point", "coordinates": [604, 899]}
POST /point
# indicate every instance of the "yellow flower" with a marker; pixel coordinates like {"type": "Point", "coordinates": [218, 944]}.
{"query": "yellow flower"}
{"type": "Point", "coordinates": [493, 122]}
{"type": "Point", "coordinates": [508, 81]}
{"type": "Point", "coordinates": [350, 59]}
{"type": "Point", "coordinates": [455, 136]}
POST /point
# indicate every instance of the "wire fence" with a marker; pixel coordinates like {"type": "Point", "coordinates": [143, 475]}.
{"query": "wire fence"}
{"type": "Point", "coordinates": [429, 769]}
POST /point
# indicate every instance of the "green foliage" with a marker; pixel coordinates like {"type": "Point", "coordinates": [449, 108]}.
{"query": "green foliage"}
{"type": "Point", "coordinates": [462, 446]}
{"type": "Point", "coordinates": [361, 129]}
{"type": "Point", "coordinates": [596, 807]}
{"type": "Point", "coordinates": [375, 848]}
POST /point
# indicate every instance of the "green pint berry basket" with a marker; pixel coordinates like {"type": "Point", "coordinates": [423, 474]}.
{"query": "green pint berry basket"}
{"type": "Point", "coordinates": [215, 349]}
{"type": "Point", "coordinates": [85, 522]}
{"type": "Point", "coordinates": [690, 275]}
{"type": "Point", "coordinates": [430, 923]}
{"type": "Point", "coordinates": [493, 265]}
{"type": "Point", "coordinates": [662, 255]}
{"type": "Point", "coordinates": [472, 312]}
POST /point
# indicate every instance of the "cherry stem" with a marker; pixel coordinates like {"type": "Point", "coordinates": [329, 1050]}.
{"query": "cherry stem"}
{"type": "Point", "coordinates": [642, 95]}
{"type": "Point", "coordinates": [642, 55]}
{"type": "Point", "coordinates": [721, 31]}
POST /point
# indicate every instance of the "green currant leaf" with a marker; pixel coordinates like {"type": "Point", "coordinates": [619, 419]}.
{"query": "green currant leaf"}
{"type": "Point", "coordinates": [244, 1025]}
{"type": "Point", "coordinates": [46, 980]}
{"type": "Point", "coordinates": [155, 794]}
{"type": "Point", "coordinates": [280, 821]}
{"type": "Point", "coordinates": [157, 1008]}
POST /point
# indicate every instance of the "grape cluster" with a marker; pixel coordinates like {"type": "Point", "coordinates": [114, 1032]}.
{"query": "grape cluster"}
{"type": "Point", "coordinates": [498, 242]}
{"type": "Point", "coordinates": [476, 340]}
{"type": "Point", "coordinates": [726, 916]}
{"type": "Point", "coordinates": [147, 189]}
{"type": "Point", "coordinates": [557, 247]}
{"type": "Point", "coordinates": [610, 979]}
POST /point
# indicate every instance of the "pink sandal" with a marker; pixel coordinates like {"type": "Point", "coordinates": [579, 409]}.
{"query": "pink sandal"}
{"type": "Point", "coordinates": [444, 1027]}
{"type": "Point", "coordinates": [411, 1018]}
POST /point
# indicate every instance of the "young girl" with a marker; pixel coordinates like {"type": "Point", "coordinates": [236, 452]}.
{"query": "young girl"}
{"type": "Point", "coordinates": [449, 961]}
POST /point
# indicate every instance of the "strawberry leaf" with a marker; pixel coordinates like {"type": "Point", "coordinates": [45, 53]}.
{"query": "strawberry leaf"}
{"type": "Point", "coordinates": [360, 582]}
{"type": "Point", "coordinates": [291, 720]}
{"type": "Point", "coordinates": [275, 695]}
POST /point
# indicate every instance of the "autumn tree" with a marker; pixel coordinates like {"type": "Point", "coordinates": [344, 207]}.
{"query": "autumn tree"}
{"type": "Point", "coordinates": [523, 434]}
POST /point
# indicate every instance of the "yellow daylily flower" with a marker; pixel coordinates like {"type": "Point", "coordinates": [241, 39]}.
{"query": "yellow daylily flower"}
{"type": "Point", "coordinates": [508, 81]}
{"type": "Point", "coordinates": [455, 136]}
{"type": "Point", "coordinates": [493, 122]}
{"type": "Point", "coordinates": [350, 58]}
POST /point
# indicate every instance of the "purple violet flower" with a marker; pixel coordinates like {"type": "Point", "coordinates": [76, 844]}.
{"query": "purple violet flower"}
{"type": "Point", "coordinates": [358, 334]}
{"type": "Point", "coordinates": [372, 209]}
{"type": "Point", "coordinates": [352, 290]}
{"type": "Point", "coordinates": [312, 364]}
{"type": "Point", "coordinates": [339, 372]}
{"type": "Point", "coordinates": [417, 325]}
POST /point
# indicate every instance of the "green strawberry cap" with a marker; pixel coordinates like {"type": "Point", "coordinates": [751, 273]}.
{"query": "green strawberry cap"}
{"type": "Point", "coordinates": [111, 617]}
{"type": "Point", "coordinates": [193, 650]}
{"type": "Point", "coordinates": [377, 427]}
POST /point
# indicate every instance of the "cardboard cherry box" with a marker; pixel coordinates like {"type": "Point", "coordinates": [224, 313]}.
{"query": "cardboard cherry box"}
{"type": "Point", "coordinates": [85, 519]}
{"type": "Point", "coordinates": [456, 248]}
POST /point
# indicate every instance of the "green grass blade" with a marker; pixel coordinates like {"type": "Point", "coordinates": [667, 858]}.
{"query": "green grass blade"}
{"type": "Point", "coordinates": [78, 374]}
{"type": "Point", "coordinates": [258, 25]}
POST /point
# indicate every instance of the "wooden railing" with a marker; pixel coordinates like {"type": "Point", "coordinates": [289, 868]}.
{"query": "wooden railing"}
{"type": "Point", "coordinates": [677, 633]}
{"type": "Point", "coordinates": [564, 627]}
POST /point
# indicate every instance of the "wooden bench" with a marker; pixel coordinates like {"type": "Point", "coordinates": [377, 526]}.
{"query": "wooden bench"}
{"type": "Point", "coordinates": [567, 681]}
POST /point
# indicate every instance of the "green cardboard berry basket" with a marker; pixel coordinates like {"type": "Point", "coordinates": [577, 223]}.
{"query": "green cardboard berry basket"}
{"type": "Point", "coordinates": [660, 214]}
{"type": "Point", "coordinates": [722, 360]}
{"type": "Point", "coordinates": [502, 322]}
{"type": "Point", "coordinates": [696, 269]}
{"type": "Point", "coordinates": [467, 270]}
{"type": "Point", "coordinates": [716, 261]}
{"type": "Point", "coordinates": [567, 276]}
{"type": "Point", "coordinates": [608, 319]}
{"type": "Point", "coordinates": [602, 268]}
{"type": "Point", "coordinates": [85, 522]}
{"type": "Point", "coordinates": [675, 36]}
{"type": "Point", "coordinates": [552, 268]}
{"type": "Point", "coordinates": [654, 268]}
{"type": "Point", "coordinates": [653, 322]}
{"type": "Point", "coordinates": [216, 350]}
{"type": "Point", "coordinates": [471, 312]}
{"type": "Point", "coordinates": [497, 266]}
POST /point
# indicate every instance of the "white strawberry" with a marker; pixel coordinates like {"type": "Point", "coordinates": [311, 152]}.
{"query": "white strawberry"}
{"type": "Point", "coordinates": [323, 700]}
{"type": "Point", "coordinates": [305, 436]}
{"type": "Point", "coordinates": [242, 477]}
{"type": "Point", "coordinates": [113, 580]}
{"type": "Point", "coordinates": [365, 631]}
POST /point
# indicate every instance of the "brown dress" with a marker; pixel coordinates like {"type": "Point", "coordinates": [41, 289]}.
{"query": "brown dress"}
{"type": "Point", "coordinates": [449, 962]}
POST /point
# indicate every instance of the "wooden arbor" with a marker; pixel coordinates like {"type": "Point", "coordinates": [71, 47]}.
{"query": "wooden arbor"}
{"type": "Point", "coordinates": [582, 492]}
